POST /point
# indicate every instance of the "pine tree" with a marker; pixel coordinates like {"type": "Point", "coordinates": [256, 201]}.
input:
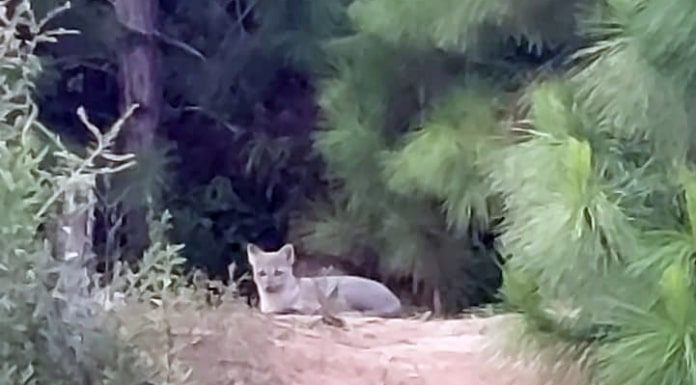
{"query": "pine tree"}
{"type": "Point", "coordinates": [587, 159]}
{"type": "Point", "coordinates": [411, 108]}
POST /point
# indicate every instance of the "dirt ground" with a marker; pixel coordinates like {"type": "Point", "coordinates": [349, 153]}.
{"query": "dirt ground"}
{"type": "Point", "coordinates": [234, 345]}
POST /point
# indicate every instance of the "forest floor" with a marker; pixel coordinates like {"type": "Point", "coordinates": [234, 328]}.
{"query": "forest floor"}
{"type": "Point", "coordinates": [232, 344]}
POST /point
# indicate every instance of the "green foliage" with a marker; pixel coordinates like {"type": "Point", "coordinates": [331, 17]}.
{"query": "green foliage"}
{"type": "Point", "coordinates": [406, 127]}
{"type": "Point", "coordinates": [561, 223]}
{"type": "Point", "coordinates": [296, 30]}
{"type": "Point", "coordinates": [598, 200]}
{"type": "Point", "coordinates": [459, 128]}
{"type": "Point", "coordinates": [218, 59]}
{"type": "Point", "coordinates": [213, 218]}
{"type": "Point", "coordinates": [445, 24]}
{"type": "Point", "coordinates": [53, 331]}
{"type": "Point", "coordinates": [634, 47]}
{"type": "Point", "coordinates": [413, 130]}
{"type": "Point", "coordinates": [471, 25]}
{"type": "Point", "coordinates": [269, 168]}
{"type": "Point", "coordinates": [433, 132]}
{"type": "Point", "coordinates": [654, 345]}
{"type": "Point", "coordinates": [667, 246]}
{"type": "Point", "coordinates": [668, 48]}
{"type": "Point", "coordinates": [225, 117]}
{"type": "Point", "coordinates": [160, 270]}
{"type": "Point", "coordinates": [591, 167]}
{"type": "Point", "coordinates": [23, 191]}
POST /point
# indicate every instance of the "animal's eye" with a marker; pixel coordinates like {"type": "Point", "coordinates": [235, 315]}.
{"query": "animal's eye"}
{"type": "Point", "coordinates": [262, 273]}
{"type": "Point", "coordinates": [278, 272]}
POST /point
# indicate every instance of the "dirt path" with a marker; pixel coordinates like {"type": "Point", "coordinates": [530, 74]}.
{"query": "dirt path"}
{"type": "Point", "coordinates": [227, 346]}
{"type": "Point", "coordinates": [390, 352]}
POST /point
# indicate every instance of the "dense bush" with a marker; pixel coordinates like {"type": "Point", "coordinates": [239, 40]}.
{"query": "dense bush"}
{"type": "Point", "coordinates": [54, 327]}
{"type": "Point", "coordinates": [236, 158]}
{"type": "Point", "coordinates": [437, 124]}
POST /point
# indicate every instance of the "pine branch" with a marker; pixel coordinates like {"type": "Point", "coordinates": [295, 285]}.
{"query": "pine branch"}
{"type": "Point", "coordinates": [463, 26]}
{"type": "Point", "coordinates": [459, 128]}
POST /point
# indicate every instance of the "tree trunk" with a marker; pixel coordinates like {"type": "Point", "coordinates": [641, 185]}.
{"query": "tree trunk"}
{"type": "Point", "coordinates": [139, 60]}
{"type": "Point", "coordinates": [71, 234]}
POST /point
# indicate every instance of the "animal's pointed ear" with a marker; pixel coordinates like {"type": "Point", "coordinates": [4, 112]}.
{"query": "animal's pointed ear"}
{"type": "Point", "coordinates": [289, 251]}
{"type": "Point", "coordinates": [253, 253]}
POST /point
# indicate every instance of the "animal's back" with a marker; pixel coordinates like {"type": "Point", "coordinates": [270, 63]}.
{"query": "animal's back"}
{"type": "Point", "coordinates": [364, 295]}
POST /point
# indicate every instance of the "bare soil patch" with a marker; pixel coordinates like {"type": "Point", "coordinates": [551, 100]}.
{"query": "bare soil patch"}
{"type": "Point", "coordinates": [235, 345]}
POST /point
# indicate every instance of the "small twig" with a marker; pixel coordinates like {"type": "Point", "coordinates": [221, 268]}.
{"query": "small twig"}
{"type": "Point", "coordinates": [242, 14]}
{"type": "Point", "coordinates": [101, 146]}
{"type": "Point", "coordinates": [179, 44]}
{"type": "Point", "coordinates": [52, 14]}
{"type": "Point", "coordinates": [236, 130]}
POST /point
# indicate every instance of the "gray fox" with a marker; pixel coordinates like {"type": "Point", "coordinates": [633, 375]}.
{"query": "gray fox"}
{"type": "Point", "coordinates": [281, 292]}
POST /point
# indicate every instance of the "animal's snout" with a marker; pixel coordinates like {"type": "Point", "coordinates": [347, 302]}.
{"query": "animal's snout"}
{"type": "Point", "coordinates": [272, 288]}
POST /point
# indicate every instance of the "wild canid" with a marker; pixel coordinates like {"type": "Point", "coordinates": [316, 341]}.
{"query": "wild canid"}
{"type": "Point", "coordinates": [281, 292]}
